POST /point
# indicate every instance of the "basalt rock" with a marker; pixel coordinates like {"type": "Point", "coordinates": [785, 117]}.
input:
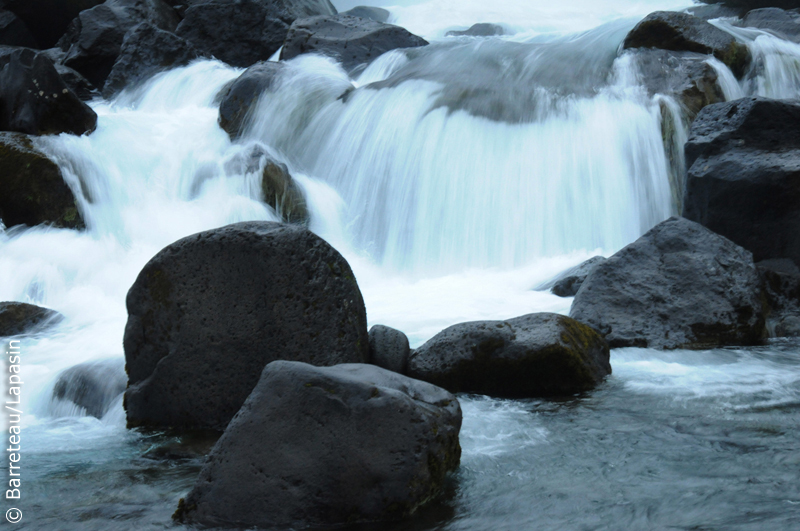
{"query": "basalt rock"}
{"type": "Point", "coordinates": [238, 98]}
{"type": "Point", "coordinates": [743, 177]}
{"type": "Point", "coordinates": [353, 41]}
{"type": "Point", "coordinates": [482, 29]}
{"type": "Point", "coordinates": [540, 354]}
{"type": "Point", "coordinates": [93, 386]}
{"type": "Point", "coordinates": [32, 188]}
{"type": "Point", "coordinates": [373, 13]}
{"type": "Point", "coordinates": [388, 348]}
{"type": "Point", "coordinates": [682, 32]}
{"type": "Point", "coordinates": [316, 446]}
{"type": "Point", "coordinates": [35, 100]}
{"type": "Point", "coordinates": [48, 19]}
{"type": "Point", "coordinates": [210, 311]}
{"type": "Point", "coordinates": [18, 318]}
{"type": "Point", "coordinates": [678, 286]}
{"type": "Point", "coordinates": [567, 283]}
{"type": "Point", "coordinates": [785, 24]}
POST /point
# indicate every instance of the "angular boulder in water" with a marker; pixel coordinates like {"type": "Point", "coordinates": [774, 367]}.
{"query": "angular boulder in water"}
{"type": "Point", "coordinates": [388, 348]}
{"type": "Point", "coordinates": [682, 32]}
{"type": "Point", "coordinates": [34, 98]}
{"type": "Point", "coordinates": [567, 283]}
{"type": "Point", "coordinates": [317, 446]}
{"type": "Point", "coordinates": [352, 41]}
{"type": "Point", "coordinates": [32, 188]}
{"type": "Point", "coordinates": [210, 311]}
{"type": "Point", "coordinates": [540, 354]}
{"type": "Point", "coordinates": [92, 386]}
{"type": "Point", "coordinates": [743, 177]}
{"type": "Point", "coordinates": [239, 97]}
{"type": "Point", "coordinates": [678, 286]}
{"type": "Point", "coordinates": [18, 318]}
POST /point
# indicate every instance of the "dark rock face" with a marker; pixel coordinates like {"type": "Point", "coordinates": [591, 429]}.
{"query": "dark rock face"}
{"type": "Point", "coordinates": [78, 84]}
{"type": "Point", "coordinates": [32, 189]}
{"type": "Point", "coordinates": [678, 286]}
{"type": "Point", "coordinates": [48, 19]}
{"type": "Point", "coordinates": [318, 446]}
{"type": "Point", "coordinates": [208, 312]}
{"type": "Point", "coordinates": [35, 100]}
{"type": "Point", "coordinates": [353, 41]}
{"type": "Point", "coordinates": [681, 32]}
{"type": "Point", "coordinates": [781, 281]}
{"type": "Point", "coordinates": [14, 32]}
{"type": "Point", "coordinates": [373, 13]}
{"type": "Point", "coordinates": [743, 177]}
{"type": "Point", "coordinates": [482, 29]}
{"type": "Point", "coordinates": [92, 386]}
{"type": "Point", "coordinates": [788, 326]}
{"type": "Point", "coordinates": [94, 39]}
{"type": "Point", "coordinates": [243, 32]}
{"type": "Point", "coordinates": [570, 281]}
{"type": "Point", "coordinates": [785, 24]}
{"type": "Point", "coordinates": [388, 348]}
{"type": "Point", "coordinates": [145, 52]}
{"type": "Point", "coordinates": [238, 99]}
{"type": "Point", "coordinates": [18, 318]}
{"type": "Point", "coordinates": [540, 354]}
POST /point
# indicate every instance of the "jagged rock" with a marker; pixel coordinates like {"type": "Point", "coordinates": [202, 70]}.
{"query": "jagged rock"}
{"type": "Point", "coordinates": [353, 41]}
{"type": "Point", "coordinates": [567, 283]}
{"type": "Point", "coordinates": [146, 51]}
{"type": "Point", "coordinates": [482, 29]}
{"type": "Point", "coordinates": [208, 312]}
{"type": "Point", "coordinates": [48, 19]}
{"type": "Point", "coordinates": [328, 446]}
{"type": "Point", "coordinates": [93, 386]}
{"type": "Point", "coordinates": [680, 32]}
{"type": "Point", "coordinates": [785, 24]}
{"type": "Point", "coordinates": [743, 177]}
{"type": "Point", "coordinates": [34, 98]}
{"type": "Point", "coordinates": [540, 354]}
{"type": "Point", "coordinates": [32, 189]}
{"type": "Point", "coordinates": [18, 318]}
{"type": "Point", "coordinates": [240, 96]}
{"type": "Point", "coordinates": [388, 348]}
{"type": "Point", "coordinates": [373, 13]}
{"type": "Point", "coordinates": [14, 32]}
{"type": "Point", "coordinates": [94, 39]}
{"type": "Point", "coordinates": [243, 32]}
{"type": "Point", "coordinates": [678, 286]}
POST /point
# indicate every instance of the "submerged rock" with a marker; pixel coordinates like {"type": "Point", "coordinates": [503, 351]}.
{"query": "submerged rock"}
{"type": "Point", "coordinates": [318, 446]}
{"type": "Point", "coordinates": [32, 189]}
{"type": "Point", "coordinates": [678, 286]}
{"type": "Point", "coordinates": [18, 318]}
{"type": "Point", "coordinates": [239, 97]}
{"type": "Point", "coordinates": [482, 29]}
{"type": "Point", "coordinates": [352, 41]}
{"type": "Point", "coordinates": [208, 312]}
{"type": "Point", "coordinates": [743, 177]}
{"type": "Point", "coordinates": [540, 354]}
{"type": "Point", "coordinates": [668, 30]}
{"type": "Point", "coordinates": [48, 19]}
{"type": "Point", "coordinates": [34, 98]}
{"type": "Point", "coordinates": [93, 386]}
{"type": "Point", "coordinates": [388, 348]}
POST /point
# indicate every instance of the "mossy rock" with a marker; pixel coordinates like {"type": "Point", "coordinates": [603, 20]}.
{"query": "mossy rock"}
{"type": "Point", "coordinates": [32, 189]}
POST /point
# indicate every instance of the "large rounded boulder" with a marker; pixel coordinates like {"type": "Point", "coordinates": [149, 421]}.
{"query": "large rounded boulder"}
{"type": "Point", "coordinates": [743, 177]}
{"type": "Point", "coordinates": [239, 97]}
{"type": "Point", "coordinates": [316, 446]}
{"type": "Point", "coordinates": [540, 354]}
{"type": "Point", "coordinates": [678, 286]}
{"type": "Point", "coordinates": [210, 311]}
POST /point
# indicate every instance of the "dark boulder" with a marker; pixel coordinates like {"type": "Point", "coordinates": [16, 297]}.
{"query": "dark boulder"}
{"type": "Point", "coordinates": [540, 354]}
{"type": "Point", "coordinates": [239, 97]}
{"type": "Point", "coordinates": [708, 12]}
{"type": "Point", "coordinates": [781, 281]}
{"type": "Point", "coordinates": [32, 188]}
{"type": "Point", "coordinates": [78, 84]}
{"type": "Point", "coordinates": [482, 29]}
{"type": "Point", "coordinates": [681, 32]}
{"type": "Point", "coordinates": [146, 51]}
{"type": "Point", "coordinates": [785, 24]}
{"type": "Point", "coordinates": [678, 286]}
{"type": "Point", "coordinates": [208, 312]}
{"type": "Point", "coordinates": [17, 318]}
{"type": "Point", "coordinates": [388, 348]}
{"type": "Point", "coordinates": [48, 19]}
{"type": "Point", "coordinates": [373, 13]}
{"type": "Point", "coordinates": [14, 32]}
{"type": "Point", "coordinates": [93, 386]}
{"type": "Point", "coordinates": [743, 177]}
{"type": "Point", "coordinates": [352, 41]}
{"type": "Point", "coordinates": [94, 39]}
{"type": "Point", "coordinates": [788, 326]}
{"type": "Point", "coordinates": [243, 32]}
{"type": "Point", "coordinates": [567, 283]}
{"type": "Point", "coordinates": [34, 98]}
{"type": "Point", "coordinates": [328, 446]}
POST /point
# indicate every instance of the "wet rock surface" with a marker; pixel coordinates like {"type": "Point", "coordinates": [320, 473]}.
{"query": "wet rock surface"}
{"type": "Point", "coordinates": [388, 348]}
{"type": "Point", "coordinates": [239, 98]}
{"type": "Point", "coordinates": [18, 318]}
{"type": "Point", "coordinates": [93, 386]}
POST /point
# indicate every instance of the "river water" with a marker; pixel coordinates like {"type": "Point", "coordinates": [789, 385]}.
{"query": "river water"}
{"type": "Point", "coordinates": [468, 174]}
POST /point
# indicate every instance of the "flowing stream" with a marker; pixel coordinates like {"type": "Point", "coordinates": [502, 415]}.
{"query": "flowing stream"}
{"type": "Point", "coordinates": [455, 179]}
